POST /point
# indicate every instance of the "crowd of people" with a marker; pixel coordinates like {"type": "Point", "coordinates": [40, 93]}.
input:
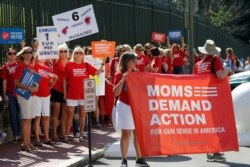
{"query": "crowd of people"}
{"type": "Point", "coordinates": [61, 90]}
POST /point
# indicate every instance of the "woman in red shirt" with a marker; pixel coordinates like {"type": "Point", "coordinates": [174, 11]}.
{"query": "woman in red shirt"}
{"type": "Point", "coordinates": [8, 75]}
{"type": "Point", "coordinates": [124, 117]}
{"type": "Point", "coordinates": [75, 73]}
{"type": "Point", "coordinates": [57, 96]}
{"type": "Point", "coordinates": [26, 106]}
{"type": "Point", "coordinates": [42, 99]}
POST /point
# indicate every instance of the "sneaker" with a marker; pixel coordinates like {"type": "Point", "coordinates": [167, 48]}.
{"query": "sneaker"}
{"type": "Point", "coordinates": [2, 136]}
{"type": "Point", "coordinates": [216, 157]}
{"type": "Point", "coordinates": [141, 162]}
{"type": "Point", "coordinates": [124, 163]}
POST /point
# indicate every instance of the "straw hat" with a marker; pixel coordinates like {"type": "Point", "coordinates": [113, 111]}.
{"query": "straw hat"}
{"type": "Point", "coordinates": [209, 48]}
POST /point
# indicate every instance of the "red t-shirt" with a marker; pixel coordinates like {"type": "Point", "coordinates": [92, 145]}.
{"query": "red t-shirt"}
{"type": "Point", "coordinates": [157, 62]}
{"type": "Point", "coordinates": [59, 70]}
{"type": "Point", "coordinates": [141, 62]}
{"type": "Point", "coordinates": [205, 65]}
{"type": "Point", "coordinates": [124, 93]}
{"type": "Point", "coordinates": [43, 71]}
{"type": "Point", "coordinates": [113, 66]}
{"type": "Point", "coordinates": [178, 59]}
{"type": "Point", "coordinates": [75, 74]}
{"type": "Point", "coordinates": [8, 73]}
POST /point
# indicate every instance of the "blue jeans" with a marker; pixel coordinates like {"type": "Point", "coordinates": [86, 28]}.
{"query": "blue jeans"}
{"type": "Point", "coordinates": [15, 115]}
{"type": "Point", "coordinates": [178, 70]}
{"type": "Point", "coordinates": [76, 121]}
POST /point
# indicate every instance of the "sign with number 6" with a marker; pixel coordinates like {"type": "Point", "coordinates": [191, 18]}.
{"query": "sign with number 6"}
{"type": "Point", "coordinates": [76, 23]}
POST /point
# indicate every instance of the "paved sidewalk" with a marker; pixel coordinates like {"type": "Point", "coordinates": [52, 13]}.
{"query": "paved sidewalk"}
{"type": "Point", "coordinates": [60, 155]}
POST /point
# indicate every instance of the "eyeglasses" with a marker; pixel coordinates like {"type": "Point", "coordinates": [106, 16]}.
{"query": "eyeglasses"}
{"type": "Point", "coordinates": [11, 53]}
{"type": "Point", "coordinates": [27, 52]}
{"type": "Point", "coordinates": [78, 53]}
{"type": "Point", "coordinates": [63, 51]}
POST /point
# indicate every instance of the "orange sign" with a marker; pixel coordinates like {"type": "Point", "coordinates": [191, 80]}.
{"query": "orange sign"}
{"type": "Point", "coordinates": [158, 37]}
{"type": "Point", "coordinates": [103, 48]}
{"type": "Point", "coordinates": [182, 114]}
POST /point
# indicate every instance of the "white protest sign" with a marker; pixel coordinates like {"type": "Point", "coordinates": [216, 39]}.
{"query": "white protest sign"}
{"type": "Point", "coordinates": [76, 23]}
{"type": "Point", "coordinates": [48, 42]}
{"type": "Point", "coordinates": [89, 95]}
{"type": "Point", "coordinates": [99, 79]}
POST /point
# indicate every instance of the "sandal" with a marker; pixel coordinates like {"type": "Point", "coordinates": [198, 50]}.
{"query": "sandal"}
{"type": "Point", "coordinates": [55, 140]}
{"type": "Point", "coordinates": [32, 147]}
{"type": "Point", "coordinates": [38, 144]}
{"type": "Point", "coordinates": [49, 142]}
{"type": "Point", "coordinates": [26, 148]}
{"type": "Point", "coordinates": [82, 139]}
{"type": "Point", "coordinates": [65, 139]}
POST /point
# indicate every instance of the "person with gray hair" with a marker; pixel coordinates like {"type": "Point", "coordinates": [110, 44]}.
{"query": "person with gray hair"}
{"type": "Point", "coordinates": [142, 61]}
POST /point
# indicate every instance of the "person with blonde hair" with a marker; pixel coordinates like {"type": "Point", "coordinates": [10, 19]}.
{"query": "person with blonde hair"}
{"type": "Point", "coordinates": [57, 96]}
{"type": "Point", "coordinates": [75, 73]}
{"type": "Point", "coordinates": [168, 61]}
{"type": "Point", "coordinates": [26, 106]}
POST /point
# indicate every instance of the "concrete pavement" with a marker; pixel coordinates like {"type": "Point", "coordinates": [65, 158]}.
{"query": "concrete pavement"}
{"type": "Point", "coordinates": [61, 155]}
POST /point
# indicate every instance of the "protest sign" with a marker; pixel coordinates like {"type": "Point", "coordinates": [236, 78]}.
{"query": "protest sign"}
{"type": "Point", "coordinates": [182, 114]}
{"type": "Point", "coordinates": [175, 35]}
{"type": "Point", "coordinates": [76, 23]}
{"type": "Point", "coordinates": [48, 42]}
{"type": "Point", "coordinates": [158, 37]}
{"type": "Point", "coordinates": [99, 79]}
{"type": "Point", "coordinates": [11, 35]}
{"type": "Point", "coordinates": [29, 79]}
{"type": "Point", "coordinates": [103, 48]}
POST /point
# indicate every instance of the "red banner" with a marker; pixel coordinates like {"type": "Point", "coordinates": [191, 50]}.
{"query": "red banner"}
{"type": "Point", "coordinates": [180, 114]}
{"type": "Point", "coordinates": [158, 37]}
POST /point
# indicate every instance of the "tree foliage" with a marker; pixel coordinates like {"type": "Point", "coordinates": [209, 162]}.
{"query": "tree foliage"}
{"type": "Point", "coordinates": [231, 16]}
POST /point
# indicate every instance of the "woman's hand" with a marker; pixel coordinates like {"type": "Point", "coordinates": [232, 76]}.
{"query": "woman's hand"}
{"type": "Point", "coordinates": [124, 76]}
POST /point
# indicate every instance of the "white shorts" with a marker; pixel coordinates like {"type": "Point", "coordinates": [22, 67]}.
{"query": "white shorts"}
{"type": "Point", "coordinates": [124, 118]}
{"type": "Point", "coordinates": [26, 107]}
{"type": "Point", "coordinates": [42, 106]}
{"type": "Point", "coordinates": [74, 103]}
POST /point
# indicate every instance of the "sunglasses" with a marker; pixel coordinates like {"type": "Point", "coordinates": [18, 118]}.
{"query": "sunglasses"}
{"type": "Point", "coordinates": [78, 53]}
{"type": "Point", "coordinates": [27, 52]}
{"type": "Point", "coordinates": [11, 53]}
{"type": "Point", "coordinates": [63, 51]}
